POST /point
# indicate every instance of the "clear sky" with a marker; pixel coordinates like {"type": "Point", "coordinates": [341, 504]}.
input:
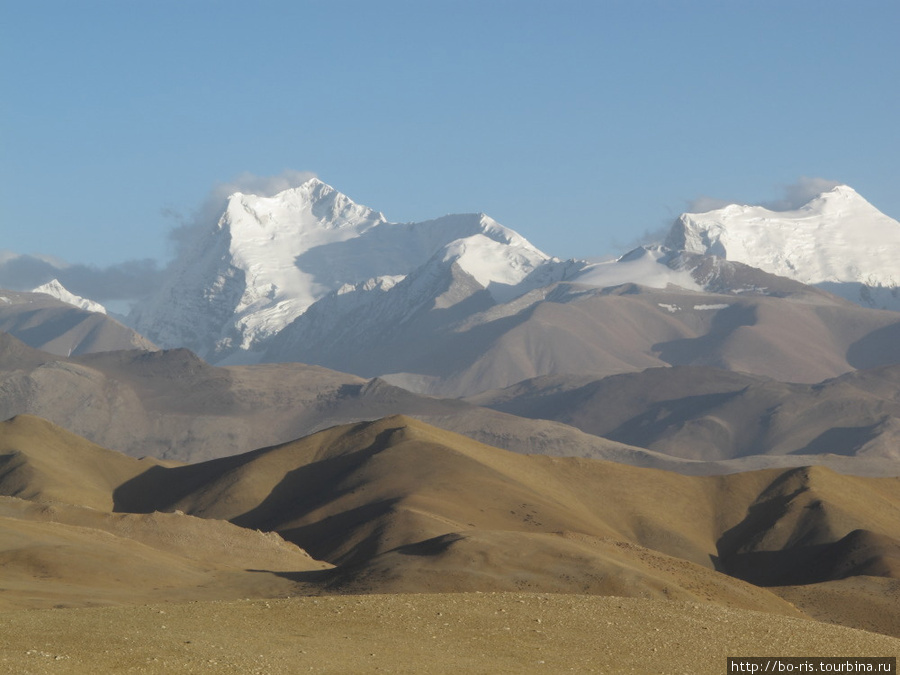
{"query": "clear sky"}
{"type": "Point", "coordinates": [582, 125]}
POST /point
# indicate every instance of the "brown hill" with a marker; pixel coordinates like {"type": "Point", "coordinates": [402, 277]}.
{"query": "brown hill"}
{"type": "Point", "coordinates": [362, 496]}
{"type": "Point", "coordinates": [576, 329]}
{"type": "Point", "coordinates": [40, 461]}
{"type": "Point", "coordinates": [60, 543]}
{"type": "Point", "coordinates": [401, 506]}
{"type": "Point", "coordinates": [57, 555]}
{"type": "Point", "coordinates": [694, 420]}
{"type": "Point", "coordinates": [171, 404]}
{"type": "Point", "coordinates": [711, 414]}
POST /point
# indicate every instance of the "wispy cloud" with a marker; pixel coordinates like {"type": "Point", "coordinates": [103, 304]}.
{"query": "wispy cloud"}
{"type": "Point", "coordinates": [211, 208]}
{"type": "Point", "coordinates": [797, 194]}
{"type": "Point", "coordinates": [124, 281]}
{"type": "Point", "coordinates": [704, 203]}
{"type": "Point", "coordinates": [135, 279]}
{"type": "Point", "coordinates": [793, 196]}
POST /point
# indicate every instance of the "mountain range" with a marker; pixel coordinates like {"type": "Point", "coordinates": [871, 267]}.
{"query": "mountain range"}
{"type": "Point", "coordinates": [317, 311]}
{"type": "Point", "coordinates": [269, 259]}
{"type": "Point", "coordinates": [308, 275]}
{"type": "Point", "coordinates": [460, 305]}
{"type": "Point", "coordinates": [836, 241]}
{"type": "Point", "coordinates": [321, 403]}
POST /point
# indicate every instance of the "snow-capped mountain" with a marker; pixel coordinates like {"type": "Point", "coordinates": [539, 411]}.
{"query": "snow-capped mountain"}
{"type": "Point", "coordinates": [268, 259]}
{"type": "Point", "coordinates": [460, 304]}
{"type": "Point", "coordinates": [837, 241]}
{"type": "Point", "coordinates": [56, 290]}
{"type": "Point", "coordinates": [309, 275]}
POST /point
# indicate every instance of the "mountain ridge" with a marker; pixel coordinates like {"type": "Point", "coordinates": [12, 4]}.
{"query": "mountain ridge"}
{"type": "Point", "coordinates": [462, 304]}
{"type": "Point", "coordinates": [292, 277]}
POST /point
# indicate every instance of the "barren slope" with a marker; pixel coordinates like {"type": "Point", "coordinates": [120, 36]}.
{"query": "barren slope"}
{"type": "Point", "coordinates": [711, 414]}
{"type": "Point", "coordinates": [400, 506]}
{"type": "Point", "coordinates": [569, 328]}
{"type": "Point", "coordinates": [171, 404]}
{"type": "Point", "coordinates": [59, 555]}
{"type": "Point", "coordinates": [507, 633]}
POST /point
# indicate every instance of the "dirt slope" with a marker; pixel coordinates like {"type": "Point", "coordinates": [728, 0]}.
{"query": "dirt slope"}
{"type": "Point", "coordinates": [711, 414]}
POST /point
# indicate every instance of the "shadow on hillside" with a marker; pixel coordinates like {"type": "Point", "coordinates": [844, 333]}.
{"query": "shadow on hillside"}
{"type": "Point", "coordinates": [805, 525]}
{"type": "Point", "coordinates": [704, 350]}
{"type": "Point", "coordinates": [317, 577]}
{"type": "Point", "coordinates": [159, 488]}
{"type": "Point", "coordinates": [664, 417]}
{"type": "Point", "coordinates": [298, 492]}
{"type": "Point", "coordinates": [840, 440]}
{"type": "Point", "coordinates": [879, 348]}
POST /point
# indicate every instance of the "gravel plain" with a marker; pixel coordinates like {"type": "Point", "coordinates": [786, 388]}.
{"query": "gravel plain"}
{"type": "Point", "coordinates": [415, 633]}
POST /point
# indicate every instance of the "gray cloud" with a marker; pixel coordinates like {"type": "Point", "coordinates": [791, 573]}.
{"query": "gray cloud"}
{"type": "Point", "coordinates": [24, 272]}
{"type": "Point", "coordinates": [703, 203]}
{"type": "Point", "coordinates": [127, 280]}
{"type": "Point", "coordinates": [799, 193]}
{"type": "Point", "coordinates": [793, 196]}
{"type": "Point", "coordinates": [124, 281]}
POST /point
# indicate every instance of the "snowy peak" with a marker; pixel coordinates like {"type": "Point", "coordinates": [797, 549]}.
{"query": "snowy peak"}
{"type": "Point", "coordinates": [840, 196]}
{"type": "Point", "coordinates": [496, 257]}
{"type": "Point", "coordinates": [310, 206]}
{"type": "Point", "coordinates": [836, 238]}
{"type": "Point", "coordinates": [269, 259]}
{"type": "Point", "coordinates": [57, 290]}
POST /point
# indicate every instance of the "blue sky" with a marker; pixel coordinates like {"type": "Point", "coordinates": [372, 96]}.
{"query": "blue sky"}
{"type": "Point", "coordinates": [582, 125]}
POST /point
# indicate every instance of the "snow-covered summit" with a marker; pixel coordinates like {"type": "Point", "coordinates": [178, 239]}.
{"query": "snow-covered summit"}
{"type": "Point", "coordinates": [268, 259]}
{"type": "Point", "coordinates": [835, 238]}
{"type": "Point", "coordinates": [55, 289]}
{"type": "Point", "coordinates": [496, 257]}
{"type": "Point", "coordinates": [836, 241]}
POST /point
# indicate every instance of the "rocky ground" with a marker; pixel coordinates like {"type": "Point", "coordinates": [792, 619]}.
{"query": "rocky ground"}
{"type": "Point", "coordinates": [415, 633]}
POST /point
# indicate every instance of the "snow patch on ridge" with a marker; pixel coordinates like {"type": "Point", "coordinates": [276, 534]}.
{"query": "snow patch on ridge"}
{"type": "Point", "coordinates": [645, 266]}
{"type": "Point", "coordinates": [57, 290]}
